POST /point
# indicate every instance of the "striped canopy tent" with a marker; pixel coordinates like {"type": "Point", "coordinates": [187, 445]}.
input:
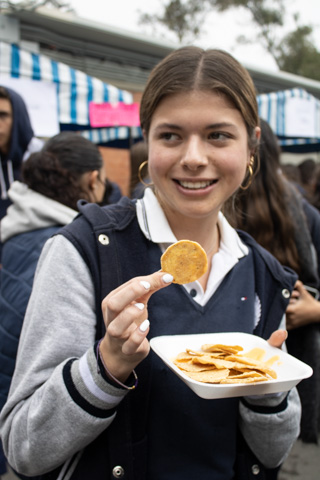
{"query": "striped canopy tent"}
{"type": "Point", "coordinates": [75, 90]}
{"type": "Point", "coordinates": [294, 116]}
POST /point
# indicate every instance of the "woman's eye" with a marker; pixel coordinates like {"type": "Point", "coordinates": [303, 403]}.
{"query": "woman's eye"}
{"type": "Point", "coordinates": [169, 136]}
{"type": "Point", "coordinates": [219, 136]}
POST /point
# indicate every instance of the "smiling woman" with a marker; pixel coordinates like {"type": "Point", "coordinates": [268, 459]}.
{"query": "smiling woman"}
{"type": "Point", "coordinates": [99, 297]}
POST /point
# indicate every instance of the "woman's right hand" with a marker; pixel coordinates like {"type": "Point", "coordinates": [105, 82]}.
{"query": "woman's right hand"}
{"type": "Point", "coordinates": [125, 312]}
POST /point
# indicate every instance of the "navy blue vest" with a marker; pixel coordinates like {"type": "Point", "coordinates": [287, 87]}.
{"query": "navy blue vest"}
{"type": "Point", "coordinates": [162, 429]}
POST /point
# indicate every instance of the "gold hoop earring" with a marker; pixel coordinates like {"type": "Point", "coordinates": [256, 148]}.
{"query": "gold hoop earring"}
{"type": "Point", "coordinates": [141, 166]}
{"type": "Point", "coordinates": [250, 170]}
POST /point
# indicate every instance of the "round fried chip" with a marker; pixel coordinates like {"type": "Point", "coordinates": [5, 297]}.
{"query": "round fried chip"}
{"type": "Point", "coordinates": [185, 260]}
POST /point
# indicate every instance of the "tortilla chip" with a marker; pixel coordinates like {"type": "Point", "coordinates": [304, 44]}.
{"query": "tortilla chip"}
{"type": "Point", "coordinates": [249, 362]}
{"type": "Point", "coordinates": [185, 260]}
{"type": "Point", "coordinates": [244, 380]}
{"type": "Point", "coordinates": [211, 376]}
{"type": "Point", "coordinates": [222, 348]}
{"type": "Point", "coordinates": [214, 364]}
{"type": "Point", "coordinates": [194, 367]}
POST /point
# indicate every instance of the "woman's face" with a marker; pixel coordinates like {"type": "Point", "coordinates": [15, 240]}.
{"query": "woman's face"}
{"type": "Point", "coordinates": [198, 153]}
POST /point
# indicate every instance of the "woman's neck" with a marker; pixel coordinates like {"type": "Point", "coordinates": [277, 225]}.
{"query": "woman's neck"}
{"type": "Point", "coordinates": [201, 231]}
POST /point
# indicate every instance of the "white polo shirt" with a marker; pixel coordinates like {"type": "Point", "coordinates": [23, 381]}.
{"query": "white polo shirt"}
{"type": "Point", "coordinates": [155, 227]}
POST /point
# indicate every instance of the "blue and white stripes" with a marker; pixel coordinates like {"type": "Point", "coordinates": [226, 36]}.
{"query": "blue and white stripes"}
{"type": "Point", "coordinates": [105, 135]}
{"type": "Point", "coordinates": [273, 108]}
{"type": "Point", "coordinates": [75, 89]}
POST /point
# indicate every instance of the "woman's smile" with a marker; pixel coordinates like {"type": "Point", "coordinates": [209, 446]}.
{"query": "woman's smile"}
{"type": "Point", "coordinates": [195, 185]}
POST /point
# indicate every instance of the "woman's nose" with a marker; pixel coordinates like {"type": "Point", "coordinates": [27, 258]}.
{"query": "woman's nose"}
{"type": "Point", "coordinates": [194, 155]}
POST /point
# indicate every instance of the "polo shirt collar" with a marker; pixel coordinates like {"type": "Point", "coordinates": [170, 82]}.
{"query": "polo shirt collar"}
{"type": "Point", "coordinates": [154, 225]}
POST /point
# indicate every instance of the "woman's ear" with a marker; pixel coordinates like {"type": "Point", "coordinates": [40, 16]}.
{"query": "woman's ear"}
{"type": "Point", "coordinates": [257, 132]}
{"type": "Point", "coordinates": [93, 178]}
{"type": "Point", "coordinates": [255, 141]}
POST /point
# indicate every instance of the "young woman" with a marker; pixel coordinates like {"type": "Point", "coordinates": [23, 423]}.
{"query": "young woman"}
{"type": "Point", "coordinates": [95, 402]}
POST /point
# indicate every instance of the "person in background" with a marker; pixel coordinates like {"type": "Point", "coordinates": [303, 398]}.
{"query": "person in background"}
{"type": "Point", "coordinates": [67, 169]}
{"type": "Point", "coordinates": [292, 173]}
{"type": "Point", "coordinates": [17, 141]}
{"type": "Point", "coordinates": [316, 195]}
{"type": "Point", "coordinates": [139, 170]}
{"type": "Point", "coordinates": [307, 169]}
{"type": "Point", "coordinates": [89, 399]}
{"type": "Point", "coordinates": [112, 193]}
{"type": "Point", "coordinates": [283, 222]}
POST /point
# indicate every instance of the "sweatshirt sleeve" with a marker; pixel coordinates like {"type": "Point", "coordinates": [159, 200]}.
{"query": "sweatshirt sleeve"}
{"type": "Point", "coordinates": [275, 420]}
{"type": "Point", "coordinates": [57, 386]}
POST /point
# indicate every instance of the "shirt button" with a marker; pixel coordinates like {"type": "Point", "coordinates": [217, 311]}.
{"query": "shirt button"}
{"type": "Point", "coordinates": [118, 472]}
{"type": "Point", "coordinates": [255, 469]}
{"type": "Point", "coordinates": [103, 239]}
{"type": "Point", "coordinates": [193, 293]}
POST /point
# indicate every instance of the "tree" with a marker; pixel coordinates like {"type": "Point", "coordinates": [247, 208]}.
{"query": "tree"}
{"type": "Point", "coordinates": [33, 5]}
{"type": "Point", "coordinates": [182, 17]}
{"type": "Point", "coordinates": [293, 52]}
{"type": "Point", "coordinates": [297, 54]}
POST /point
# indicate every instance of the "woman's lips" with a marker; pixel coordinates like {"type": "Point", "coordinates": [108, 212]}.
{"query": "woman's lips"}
{"type": "Point", "coordinates": [195, 185]}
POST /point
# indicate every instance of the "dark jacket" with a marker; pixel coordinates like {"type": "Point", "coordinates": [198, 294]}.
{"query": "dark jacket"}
{"type": "Point", "coordinates": [129, 254]}
{"type": "Point", "coordinates": [20, 257]}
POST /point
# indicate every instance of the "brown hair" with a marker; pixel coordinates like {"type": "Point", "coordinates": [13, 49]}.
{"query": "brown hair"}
{"type": "Point", "coordinates": [263, 210]}
{"type": "Point", "coordinates": [4, 93]}
{"type": "Point", "coordinates": [192, 68]}
{"type": "Point", "coordinates": [56, 171]}
{"type": "Point", "coordinates": [138, 155]}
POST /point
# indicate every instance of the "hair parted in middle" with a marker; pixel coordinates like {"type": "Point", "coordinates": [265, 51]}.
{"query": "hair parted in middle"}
{"type": "Point", "coordinates": [193, 68]}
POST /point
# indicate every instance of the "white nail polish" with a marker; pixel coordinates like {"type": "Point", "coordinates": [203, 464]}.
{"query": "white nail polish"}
{"type": "Point", "coordinates": [145, 284]}
{"type": "Point", "coordinates": [144, 325]}
{"type": "Point", "coordinates": [140, 306]}
{"type": "Point", "coordinates": [167, 278]}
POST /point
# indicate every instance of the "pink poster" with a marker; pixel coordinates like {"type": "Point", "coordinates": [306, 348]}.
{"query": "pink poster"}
{"type": "Point", "coordinates": [114, 115]}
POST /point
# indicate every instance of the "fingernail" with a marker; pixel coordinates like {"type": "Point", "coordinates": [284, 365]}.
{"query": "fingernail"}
{"type": "Point", "coordinates": [140, 306]}
{"type": "Point", "coordinates": [144, 325]}
{"type": "Point", "coordinates": [145, 284]}
{"type": "Point", "coordinates": [167, 278]}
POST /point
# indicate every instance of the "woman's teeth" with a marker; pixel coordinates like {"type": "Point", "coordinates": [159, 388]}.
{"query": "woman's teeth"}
{"type": "Point", "coordinates": [195, 185]}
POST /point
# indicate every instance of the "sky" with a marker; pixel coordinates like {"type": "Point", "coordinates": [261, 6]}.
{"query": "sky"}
{"type": "Point", "coordinates": [219, 31]}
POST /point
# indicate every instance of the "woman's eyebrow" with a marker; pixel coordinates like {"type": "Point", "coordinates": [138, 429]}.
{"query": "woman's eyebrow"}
{"type": "Point", "coordinates": [164, 125]}
{"type": "Point", "coordinates": [212, 126]}
{"type": "Point", "coordinates": [221, 125]}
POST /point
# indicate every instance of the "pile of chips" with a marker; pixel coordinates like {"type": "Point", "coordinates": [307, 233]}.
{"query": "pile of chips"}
{"type": "Point", "coordinates": [225, 364]}
{"type": "Point", "coordinates": [185, 260]}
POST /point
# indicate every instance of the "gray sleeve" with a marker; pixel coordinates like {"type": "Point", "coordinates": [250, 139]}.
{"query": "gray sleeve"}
{"type": "Point", "coordinates": [271, 425]}
{"type": "Point", "coordinates": [58, 402]}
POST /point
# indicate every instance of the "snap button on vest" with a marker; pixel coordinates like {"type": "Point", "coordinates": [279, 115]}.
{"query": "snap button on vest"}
{"type": "Point", "coordinates": [104, 239]}
{"type": "Point", "coordinates": [118, 472]}
{"type": "Point", "coordinates": [255, 469]}
{"type": "Point", "coordinates": [285, 293]}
